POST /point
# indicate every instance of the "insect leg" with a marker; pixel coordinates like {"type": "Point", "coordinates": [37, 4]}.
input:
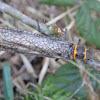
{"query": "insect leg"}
{"type": "Point", "coordinates": [39, 28]}
{"type": "Point", "coordinates": [38, 25]}
{"type": "Point", "coordinates": [56, 59]}
{"type": "Point", "coordinates": [66, 33]}
{"type": "Point", "coordinates": [79, 41]}
{"type": "Point", "coordinates": [68, 57]}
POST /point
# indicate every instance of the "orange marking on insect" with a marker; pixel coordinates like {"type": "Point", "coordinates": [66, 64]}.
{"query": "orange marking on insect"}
{"type": "Point", "coordinates": [75, 51]}
{"type": "Point", "coordinates": [85, 54]}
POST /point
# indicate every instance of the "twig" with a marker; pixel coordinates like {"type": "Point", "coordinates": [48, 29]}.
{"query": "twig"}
{"type": "Point", "coordinates": [25, 19]}
{"type": "Point", "coordinates": [36, 13]}
{"type": "Point", "coordinates": [23, 67]}
{"type": "Point", "coordinates": [43, 71]}
{"type": "Point", "coordinates": [76, 91]}
{"type": "Point", "coordinates": [87, 82]}
{"type": "Point", "coordinates": [17, 14]}
{"type": "Point", "coordinates": [17, 84]}
{"type": "Point", "coordinates": [19, 80]}
{"type": "Point", "coordinates": [62, 15]}
{"type": "Point", "coordinates": [94, 63]}
{"type": "Point", "coordinates": [89, 86]}
{"type": "Point", "coordinates": [28, 66]}
{"type": "Point", "coordinates": [85, 71]}
{"type": "Point", "coordinates": [72, 23]}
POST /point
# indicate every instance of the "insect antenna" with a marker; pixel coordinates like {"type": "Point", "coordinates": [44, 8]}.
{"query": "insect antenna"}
{"type": "Point", "coordinates": [66, 33]}
{"type": "Point", "coordinates": [79, 41]}
{"type": "Point", "coordinates": [38, 25]}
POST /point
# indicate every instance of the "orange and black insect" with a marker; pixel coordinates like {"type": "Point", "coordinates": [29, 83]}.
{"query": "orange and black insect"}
{"type": "Point", "coordinates": [80, 52]}
{"type": "Point", "coordinates": [77, 52]}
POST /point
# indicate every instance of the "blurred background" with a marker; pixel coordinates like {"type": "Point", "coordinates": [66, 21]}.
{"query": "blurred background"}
{"type": "Point", "coordinates": [42, 78]}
